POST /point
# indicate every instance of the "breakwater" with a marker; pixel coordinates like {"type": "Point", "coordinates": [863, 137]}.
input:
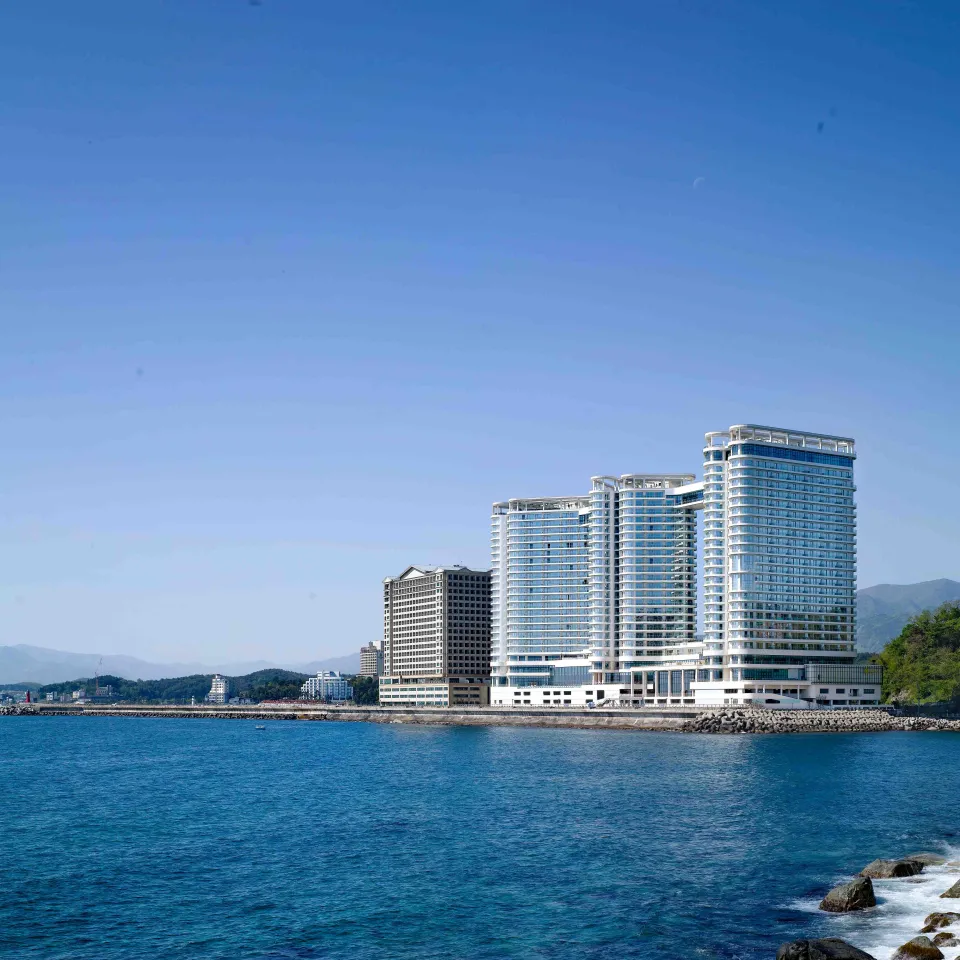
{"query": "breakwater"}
{"type": "Point", "coordinates": [813, 721]}
{"type": "Point", "coordinates": [676, 720]}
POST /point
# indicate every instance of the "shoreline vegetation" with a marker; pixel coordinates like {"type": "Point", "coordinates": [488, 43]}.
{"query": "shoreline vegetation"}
{"type": "Point", "coordinates": [263, 685]}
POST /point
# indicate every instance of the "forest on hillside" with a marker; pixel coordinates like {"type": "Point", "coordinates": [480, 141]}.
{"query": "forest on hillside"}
{"type": "Point", "coordinates": [262, 685]}
{"type": "Point", "coordinates": [922, 665]}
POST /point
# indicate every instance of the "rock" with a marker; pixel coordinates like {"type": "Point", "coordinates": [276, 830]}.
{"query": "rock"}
{"type": "Point", "coordinates": [953, 893]}
{"type": "Point", "coordinates": [919, 948]}
{"type": "Point", "coordinates": [886, 869]}
{"type": "Point", "coordinates": [829, 949]}
{"type": "Point", "coordinates": [927, 859]}
{"type": "Point", "coordinates": [940, 920]}
{"type": "Point", "coordinates": [855, 895]}
{"type": "Point", "coordinates": [946, 939]}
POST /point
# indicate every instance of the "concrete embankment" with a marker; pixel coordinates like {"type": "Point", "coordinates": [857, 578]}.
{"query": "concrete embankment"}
{"type": "Point", "coordinates": [678, 719]}
{"type": "Point", "coordinates": [643, 719]}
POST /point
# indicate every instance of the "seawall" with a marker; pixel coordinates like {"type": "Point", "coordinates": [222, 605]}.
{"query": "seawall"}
{"type": "Point", "coordinates": [644, 719]}
{"type": "Point", "coordinates": [674, 719]}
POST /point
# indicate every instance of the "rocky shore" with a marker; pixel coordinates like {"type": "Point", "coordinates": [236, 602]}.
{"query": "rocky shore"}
{"type": "Point", "coordinates": [811, 721]}
{"type": "Point", "coordinates": [857, 895]}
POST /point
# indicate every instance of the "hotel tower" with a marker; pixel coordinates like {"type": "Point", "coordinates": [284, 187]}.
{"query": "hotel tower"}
{"type": "Point", "coordinates": [594, 597]}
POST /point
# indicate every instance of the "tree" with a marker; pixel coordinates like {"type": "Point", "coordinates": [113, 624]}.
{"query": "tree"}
{"type": "Point", "coordinates": [366, 690]}
{"type": "Point", "coordinates": [922, 664]}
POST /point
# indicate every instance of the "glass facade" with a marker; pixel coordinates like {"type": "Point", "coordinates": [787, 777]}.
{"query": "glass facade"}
{"type": "Point", "coordinates": [605, 582]}
{"type": "Point", "coordinates": [648, 580]}
{"type": "Point", "coordinates": [779, 552]}
{"type": "Point", "coordinates": [540, 592]}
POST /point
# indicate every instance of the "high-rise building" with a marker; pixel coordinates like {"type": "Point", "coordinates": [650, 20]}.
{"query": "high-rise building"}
{"type": "Point", "coordinates": [594, 597]}
{"type": "Point", "coordinates": [540, 593]}
{"type": "Point", "coordinates": [780, 568]}
{"type": "Point", "coordinates": [371, 659]}
{"type": "Point", "coordinates": [436, 637]}
{"type": "Point", "coordinates": [643, 573]}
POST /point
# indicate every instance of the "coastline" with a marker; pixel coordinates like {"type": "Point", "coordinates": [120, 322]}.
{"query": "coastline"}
{"type": "Point", "coordinates": [667, 720]}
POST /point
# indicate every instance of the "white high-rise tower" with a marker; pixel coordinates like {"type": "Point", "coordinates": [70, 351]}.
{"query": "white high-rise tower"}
{"type": "Point", "coordinates": [780, 571]}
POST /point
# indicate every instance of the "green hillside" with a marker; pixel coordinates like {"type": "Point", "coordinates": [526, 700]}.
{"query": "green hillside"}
{"type": "Point", "coordinates": [262, 685]}
{"type": "Point", "coordinates": [883, 610]}
{"type": "Point", "coordinates": [922, 665]}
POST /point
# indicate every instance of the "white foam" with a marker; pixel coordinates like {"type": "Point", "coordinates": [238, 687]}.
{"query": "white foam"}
{"type": "Point", "coordinates": [902, 906]}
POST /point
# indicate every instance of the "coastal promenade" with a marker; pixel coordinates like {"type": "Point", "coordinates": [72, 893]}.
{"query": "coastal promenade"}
{"type": "Point", "coordinates": [725, 720]}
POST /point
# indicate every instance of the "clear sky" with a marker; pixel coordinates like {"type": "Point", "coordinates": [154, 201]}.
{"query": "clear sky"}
{"type": "Point", "coordinates": [292, 291]}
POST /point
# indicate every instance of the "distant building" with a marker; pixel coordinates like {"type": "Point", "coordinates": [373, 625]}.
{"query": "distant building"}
{"type": "Point", "coordinates": [219, 690]}
{"type": "Point", "coordinates": [436, 637]}
{"type": "Point", "coordinates": [371, 660]}
{"type": "Point", "coordinates": [327, 685]}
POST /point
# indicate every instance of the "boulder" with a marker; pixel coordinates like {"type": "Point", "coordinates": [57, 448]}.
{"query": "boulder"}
{"type": "Point", "coordinates": [927, 859]}
{"type": "Point", "coordinates": [829, 949]}
{"type": "Point", "coordinates": [946, 939]}
{"type": "Point", "coordinates": [855, 895]}
{"type": "Point", "coordinates": [887, 869]}
{"type": "Point", "coordinates": [939, 920]}
{"type": "Point", "coordinates": [953, 893]}
{"type": "Point", "coordinates": [919, 948]}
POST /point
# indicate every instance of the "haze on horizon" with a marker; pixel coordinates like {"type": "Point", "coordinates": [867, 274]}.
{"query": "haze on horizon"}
{"type": "Point", "coordinates": [291, 292]}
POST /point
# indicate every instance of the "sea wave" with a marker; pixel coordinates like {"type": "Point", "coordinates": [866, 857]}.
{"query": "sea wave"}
{"type": "Point", "coordinates": [902, 907]}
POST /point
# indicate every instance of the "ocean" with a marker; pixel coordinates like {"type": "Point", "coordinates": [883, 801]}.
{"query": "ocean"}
{"type": "Point", "coordinates": [124, 838]}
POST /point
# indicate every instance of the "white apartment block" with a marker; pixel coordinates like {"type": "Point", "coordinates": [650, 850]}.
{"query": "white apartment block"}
{"type": "Point", "coordinates": [436, 637]}
{"type": "Point", "coordinates": [219, 690]}
{"type": "Point", "coordinates": [327, 685]}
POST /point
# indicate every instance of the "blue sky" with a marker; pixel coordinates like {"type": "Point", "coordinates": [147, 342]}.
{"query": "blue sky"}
{"type": "Point", "coordinates": [290, 292]}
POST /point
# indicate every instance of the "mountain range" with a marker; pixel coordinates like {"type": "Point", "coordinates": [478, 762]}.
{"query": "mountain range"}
{"type": "Point", "coordinates": [39, 665]}
{"type": "Point", "coordinates": [882, 612]}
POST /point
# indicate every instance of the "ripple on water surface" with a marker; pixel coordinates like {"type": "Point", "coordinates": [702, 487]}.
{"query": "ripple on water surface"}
{"type": "Point", "coordinates": [179, 838]}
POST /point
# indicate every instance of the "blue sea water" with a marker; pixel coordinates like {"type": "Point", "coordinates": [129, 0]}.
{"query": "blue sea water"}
{"type": "Point", "coordinates": [203, 838]}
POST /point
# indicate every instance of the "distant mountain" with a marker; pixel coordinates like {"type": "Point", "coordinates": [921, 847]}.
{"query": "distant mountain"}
{"type": "Point", "coordinates": [346, 664]}
{"type": "Point", "coordinates": [39, 665]}
{"type": "Point", "coordinates": [883, 610]}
